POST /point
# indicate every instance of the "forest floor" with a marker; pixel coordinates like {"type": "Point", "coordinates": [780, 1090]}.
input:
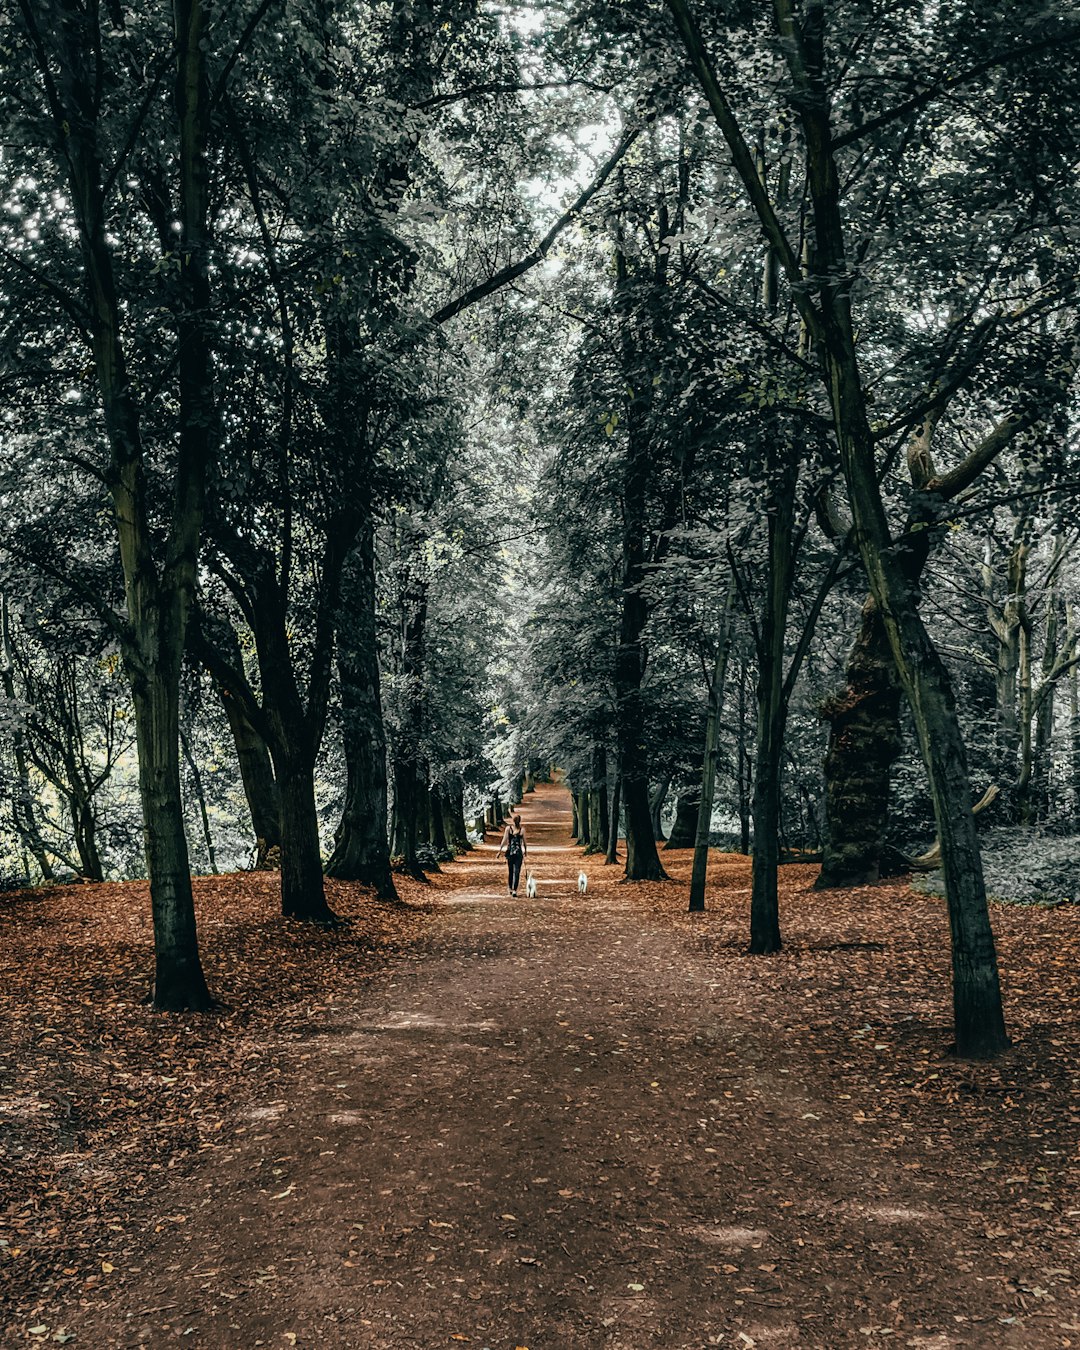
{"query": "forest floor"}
{"type": "Point", "coordinates": [552, 1123]}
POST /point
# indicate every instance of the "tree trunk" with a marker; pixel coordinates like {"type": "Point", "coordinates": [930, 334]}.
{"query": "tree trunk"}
{"type": "Point", "coordinates": [977, 1009]}
{"type": "Point", "coordinates": [742, 771]}
{"type": "Point", "coordinates": [1072, 772]}
{"type": "Point", "coordinates": [456, 828]}
{"type": "Point", "coordinates": [864, 742]}
{"type": "Point", "coordinates": [303, 895]}
{"type": "Point", "coordinates": [772, 705]}
{"type": "Point", "coordinates": [200, 798]}
{"type": "Point", "coordinates": [406, 815]}
{"type": "Point", "coordinates": [438, 823]}
{"type": "Point", "coordinates": [708, 763]}
{"type": "Point", "coordinates": [25, 817]}
{"type": "Point", "coordinates": [84, 828]}
{"type": "Point", "coordinates": [657, 798]}
{"type": "Point", "coordinates": [179, 983]}
{"type": "Point", "coordinates": [684, 826]}
{"type": "Point", "coordinates": [423, 806]}
{"type": "Point", "coordinates": [642, 859]}
{"type": "Point", "coordinates": [599, 823]}
{"type": "Point", "coordinates": [584, 836]}
{"type": "Point", "coordinates": [257, 776]}
{"type": "Point", "coordinates": [825, 306]}
{"type": "Point", "coordinates": [612, 855]}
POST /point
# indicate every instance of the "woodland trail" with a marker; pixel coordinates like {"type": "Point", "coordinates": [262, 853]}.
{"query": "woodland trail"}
{"type": "Point", "coordinates": [577, 1122]}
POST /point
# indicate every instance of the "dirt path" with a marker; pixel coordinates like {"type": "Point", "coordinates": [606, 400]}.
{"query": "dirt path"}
{"type": "Point", "coordinates": [561, 1123]}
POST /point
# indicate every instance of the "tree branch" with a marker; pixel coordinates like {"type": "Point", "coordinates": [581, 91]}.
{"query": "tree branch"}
{"type": "Point", "coordinates": [516, 269]}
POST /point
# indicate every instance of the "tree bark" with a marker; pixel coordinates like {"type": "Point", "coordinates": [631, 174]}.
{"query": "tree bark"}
{"type": "Point", "coordinates": [303, 895]}
{"type": "Point", "coordinates": [864, 742]}
{"type": "Point", "coordinates": [158, 589]}
{"type": "Point", "coordinates": [257, 777]}
{"type": "Point", "coordinates": [200, 798]}
{"type": "Point", "coordinates": [612, 855]}
{"type": "Point", "coordinates": [179, 983]}
{"type": "Point", "coordinates": [977, 1009]}
{"type": "Point", "coordinates": [708, 762]}
{"type": "Point", "coordinates": [657, 799]}
{"type": "Point", "coordinates": [772, 704]}
{"type": "Point", "coordinates": [684, 826]}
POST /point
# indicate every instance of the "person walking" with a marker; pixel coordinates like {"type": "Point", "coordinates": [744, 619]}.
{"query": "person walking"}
{"type": "Point", "coordinates": [514, 846]}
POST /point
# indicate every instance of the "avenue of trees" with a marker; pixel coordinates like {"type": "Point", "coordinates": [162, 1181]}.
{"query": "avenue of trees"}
{"type": "Point", "coordinates": [402, 399]}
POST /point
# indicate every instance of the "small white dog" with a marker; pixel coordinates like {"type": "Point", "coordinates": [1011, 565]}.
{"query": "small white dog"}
{"type": "Point", "coordinates": [530, 886]}
{"type": "Point", "coordinates": [582, 883]}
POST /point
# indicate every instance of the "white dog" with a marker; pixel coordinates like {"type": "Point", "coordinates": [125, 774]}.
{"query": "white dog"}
{"type": "Point", "coordinates": [530, 886]}
{"type": "Point", "coordinates": [582, 883]}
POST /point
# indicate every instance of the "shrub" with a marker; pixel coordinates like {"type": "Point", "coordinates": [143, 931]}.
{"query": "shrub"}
{"type": "Point", "coordinates": [1024, 867]}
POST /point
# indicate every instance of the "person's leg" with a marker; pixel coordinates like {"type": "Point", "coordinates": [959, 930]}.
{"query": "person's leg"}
{"type": "Point", "coordinates": [509, 875]}
{"type": "Point", "coordinates": [515, 874]}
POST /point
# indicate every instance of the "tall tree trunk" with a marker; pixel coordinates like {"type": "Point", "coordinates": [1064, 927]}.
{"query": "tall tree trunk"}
{"type": "Point", "coordinates": [657, 799]}
{"type": "Point", "coordinates": [599, 823]}
{"type": "Point", "coordinates": [642, 859]}
{"type": "Point", "coordinates": [708, 762]}
{"type": "Point", "coordinates": [742, 771]}
{"type": "Point", "coordinates": [257, 777]}
{"type": "Point", "coordinates": [200, 798]}
{"type": "Point", "coordinates": [179, 983]}
{"type": "Point", "coordinates": [25, 816]}
{"type": "Point", "coordinates": [252, 753]}
{"type": "Point", "coordinates": [977, 1008]}
{"type": "Point", "coordinates": [303, 895]}
{"type": "Point", "coordinates": [864, 742]}
{"type": "Point", "coordinates": [584, 822]}
{"type": "Point", "coordinates": [84, 828]}
{"type": "Point", "coordinates": [825, 307]}
{"type": "Point", "coordinates": [612, 855]}
{"type": "Point", "coordinates": [158, 589]}
{"type": "Point", "coordinates": [684, 826]}
{"type": "Point", "coordinates": [771, 708]}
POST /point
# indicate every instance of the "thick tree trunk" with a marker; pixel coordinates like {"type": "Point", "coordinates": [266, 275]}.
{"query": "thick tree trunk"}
{"type": "Point", "coordinates": [584, 823]}
{"type": "Point", "coordinates": [179, 983]}
{"type": "Point", "coordinates": [439, 840]}
{"type": "Point", "coordinates": [684, 826]}
{"type": "Point", "coordinates": [456, 828]}
{"type": "Point", "coordinates": [406, 815]}
{"type": "Point", "coordinates": [303, 895]}
{"type": "Point", "coordinates": [864, 741]}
